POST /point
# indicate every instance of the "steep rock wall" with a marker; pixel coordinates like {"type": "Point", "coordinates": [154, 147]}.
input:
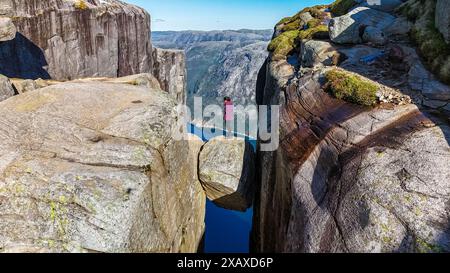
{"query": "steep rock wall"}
{"type": "Point", "coordinates": [75, 179]}
{"type": "Point", "coordinates": [170, 69]}
{"type": "Point", "coordinates": [72, 39]}
{"type": "Point", "coordinates": [349, 178]}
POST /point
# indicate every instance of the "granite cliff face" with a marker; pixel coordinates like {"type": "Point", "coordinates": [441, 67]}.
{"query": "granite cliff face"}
{"type": "Point", "coordinates": [72, 39]}
{"type": "Point", "coordinates": [75, 179]}
{"type": "Point", "coordinates": [364, 158]}
{"type": "Point", "coordinates": [92, 164]}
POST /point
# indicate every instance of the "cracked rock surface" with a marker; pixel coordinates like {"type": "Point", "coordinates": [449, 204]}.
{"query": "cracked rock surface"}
{"type": "Point", "coordinates": [92, 167]}
{"type": "Point", "coordinates": [349, 178]}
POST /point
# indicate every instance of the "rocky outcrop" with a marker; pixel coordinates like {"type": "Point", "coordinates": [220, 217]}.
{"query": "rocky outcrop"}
{"type": "Point", "coordinates": [383, 5]}
{"type": "Point", "coordinates": [91, 166]}
{"type": "Point", "coordinates": [360, 25]}
{"type": "Point", "coordinates": [349, 178]}
{"type": "Point", "coordinates": [6, 88]}
{"type": "Point", "coordinates": [66, 40]}
{"type": "Point", "coordinates": [7, 29]}
{"type": "Point", "coordinates": [170, 68]}
{"type": "Point", "coordinates": [85, 38]}
{"type": "Point", "coordinates": [443, 18]}
{"type": "Point", "coordinates": [227, 172]}
{"type": "Point", "coordinates": [315, 52]}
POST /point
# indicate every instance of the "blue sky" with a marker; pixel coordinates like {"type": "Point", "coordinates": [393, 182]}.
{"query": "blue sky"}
{"type": "Point", "coordinates": [220, 14]}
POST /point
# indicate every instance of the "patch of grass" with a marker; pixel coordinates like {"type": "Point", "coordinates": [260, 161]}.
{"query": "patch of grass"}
{"type": "Point", "coordinates": [284, 44]}
{"type": "Point", "coordinates": [293, 29]}
{"type": "Point", "coordinates": [342, 7]}
{"type": "Point", "coordinates": [430, 42]}
{"type": "Point", "coordinates": [317, 32]}
{"type": "Point", "coordinates": [295, 23]}
{"type": "Point", "coordinates": [352, 88]}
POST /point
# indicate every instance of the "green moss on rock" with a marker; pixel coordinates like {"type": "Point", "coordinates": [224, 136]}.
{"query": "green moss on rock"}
{"type": "Point", "coordinates": [285, 43]}
{"type": "Point", "coordinates": [293, 29]}
{"type": "Point", "coordinates": [341, 7]}
{"type": "Point", "coordinates": [352, 88]}
{"type": "Point", "coordinates": [430, 42]}
{"type": "Point", "coordinates": [317, 32]}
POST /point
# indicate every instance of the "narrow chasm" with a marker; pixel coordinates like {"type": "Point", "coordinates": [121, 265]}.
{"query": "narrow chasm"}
{"type": "Point", "coordinates": [226, 171]}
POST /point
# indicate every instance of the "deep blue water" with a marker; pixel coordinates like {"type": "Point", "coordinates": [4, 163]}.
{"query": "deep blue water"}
{"type": "Point", "coordinates": [226, 231]}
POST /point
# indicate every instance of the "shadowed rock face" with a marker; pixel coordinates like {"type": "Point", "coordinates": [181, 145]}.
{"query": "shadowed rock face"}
{"type": "Point", "coordinates": [443, 18]}
{"type": "Point", "coordinates": [6, 88]}
{"type": "Point", "coordinates": [91, 166]}
{"type": "Point", "coordinates": [21, 58]}
{"type": "Point", "coordinates": [348, 178]}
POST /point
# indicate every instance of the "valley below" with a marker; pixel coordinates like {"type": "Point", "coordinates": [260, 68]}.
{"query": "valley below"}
{"type": "Point", "coordinates": [96, 158]}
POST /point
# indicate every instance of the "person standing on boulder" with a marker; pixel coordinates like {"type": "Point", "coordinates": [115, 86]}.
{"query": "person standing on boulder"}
{"type": "Point", "coordinates": [228, 116]}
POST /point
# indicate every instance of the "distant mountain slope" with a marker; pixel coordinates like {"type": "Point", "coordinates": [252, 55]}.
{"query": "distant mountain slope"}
{"type": "Point", "coordinates": [220, 63]}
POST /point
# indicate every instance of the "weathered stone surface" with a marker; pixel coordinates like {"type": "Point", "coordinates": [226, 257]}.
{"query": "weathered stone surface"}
{"type": "Point", "coordinates": [93, 167]}
{"type": "Point", "coordinates": [170, 68]}
{"type": "Point", "coordinates": [374, 35]}
{"type": "Point", "coordinates": [145, 80]}
{"type": "Point", "coordinates": [443, 18]}
{"type": "Point", "coordinates": [346, 29]}
{"type": "Point", "coordinates": [435, 104]}
{"type": "Point", "coordinates": [420, 79]}
{"type": "Point", "coordinates": [106, 39]}
{"type": "Point", "coordinates": [315, 52]}
{"type": "Point", "coordinates": [401, 26]}
{"type": "Point", "coordinates": [383, 5]}
{"type": "Point", "coordinates": [226, 170]}
{"type": "Point", "coordinates": [7, 29]}
{"type": "Point", "coordinates": [351, 179]}
{"type": "Point", "coordinates": [6, 88]}
{"type": "Point", "coordinates": [65, 40]}
{"type": "Point", "coordinates": [23, 86]}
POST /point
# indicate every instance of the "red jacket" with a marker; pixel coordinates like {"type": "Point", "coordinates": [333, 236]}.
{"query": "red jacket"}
{"type": "Point", "coordinates": [229, 111]}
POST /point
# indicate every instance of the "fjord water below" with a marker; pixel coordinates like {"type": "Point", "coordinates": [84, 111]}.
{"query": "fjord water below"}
{"type": "Point", "coordinates": [227, 231]}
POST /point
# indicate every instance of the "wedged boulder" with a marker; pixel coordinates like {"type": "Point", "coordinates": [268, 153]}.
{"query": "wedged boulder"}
{"type": "Point", "coordinates": [227, 172]}
{"type": "Point", "coordinates": [443, 18]}
{"type": "Point", "coordinates": [349, 28]}
{"type": "Point", "coordinates": [383, 5]}
{"type": "Point", "coordinates": [7, 29]}
{"type": "Point", "coordinates": [6, 88]}
{"type": "Point", "coordinates": [315, 52]}
{"type": "Point", "coordinates": [93, 167]}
